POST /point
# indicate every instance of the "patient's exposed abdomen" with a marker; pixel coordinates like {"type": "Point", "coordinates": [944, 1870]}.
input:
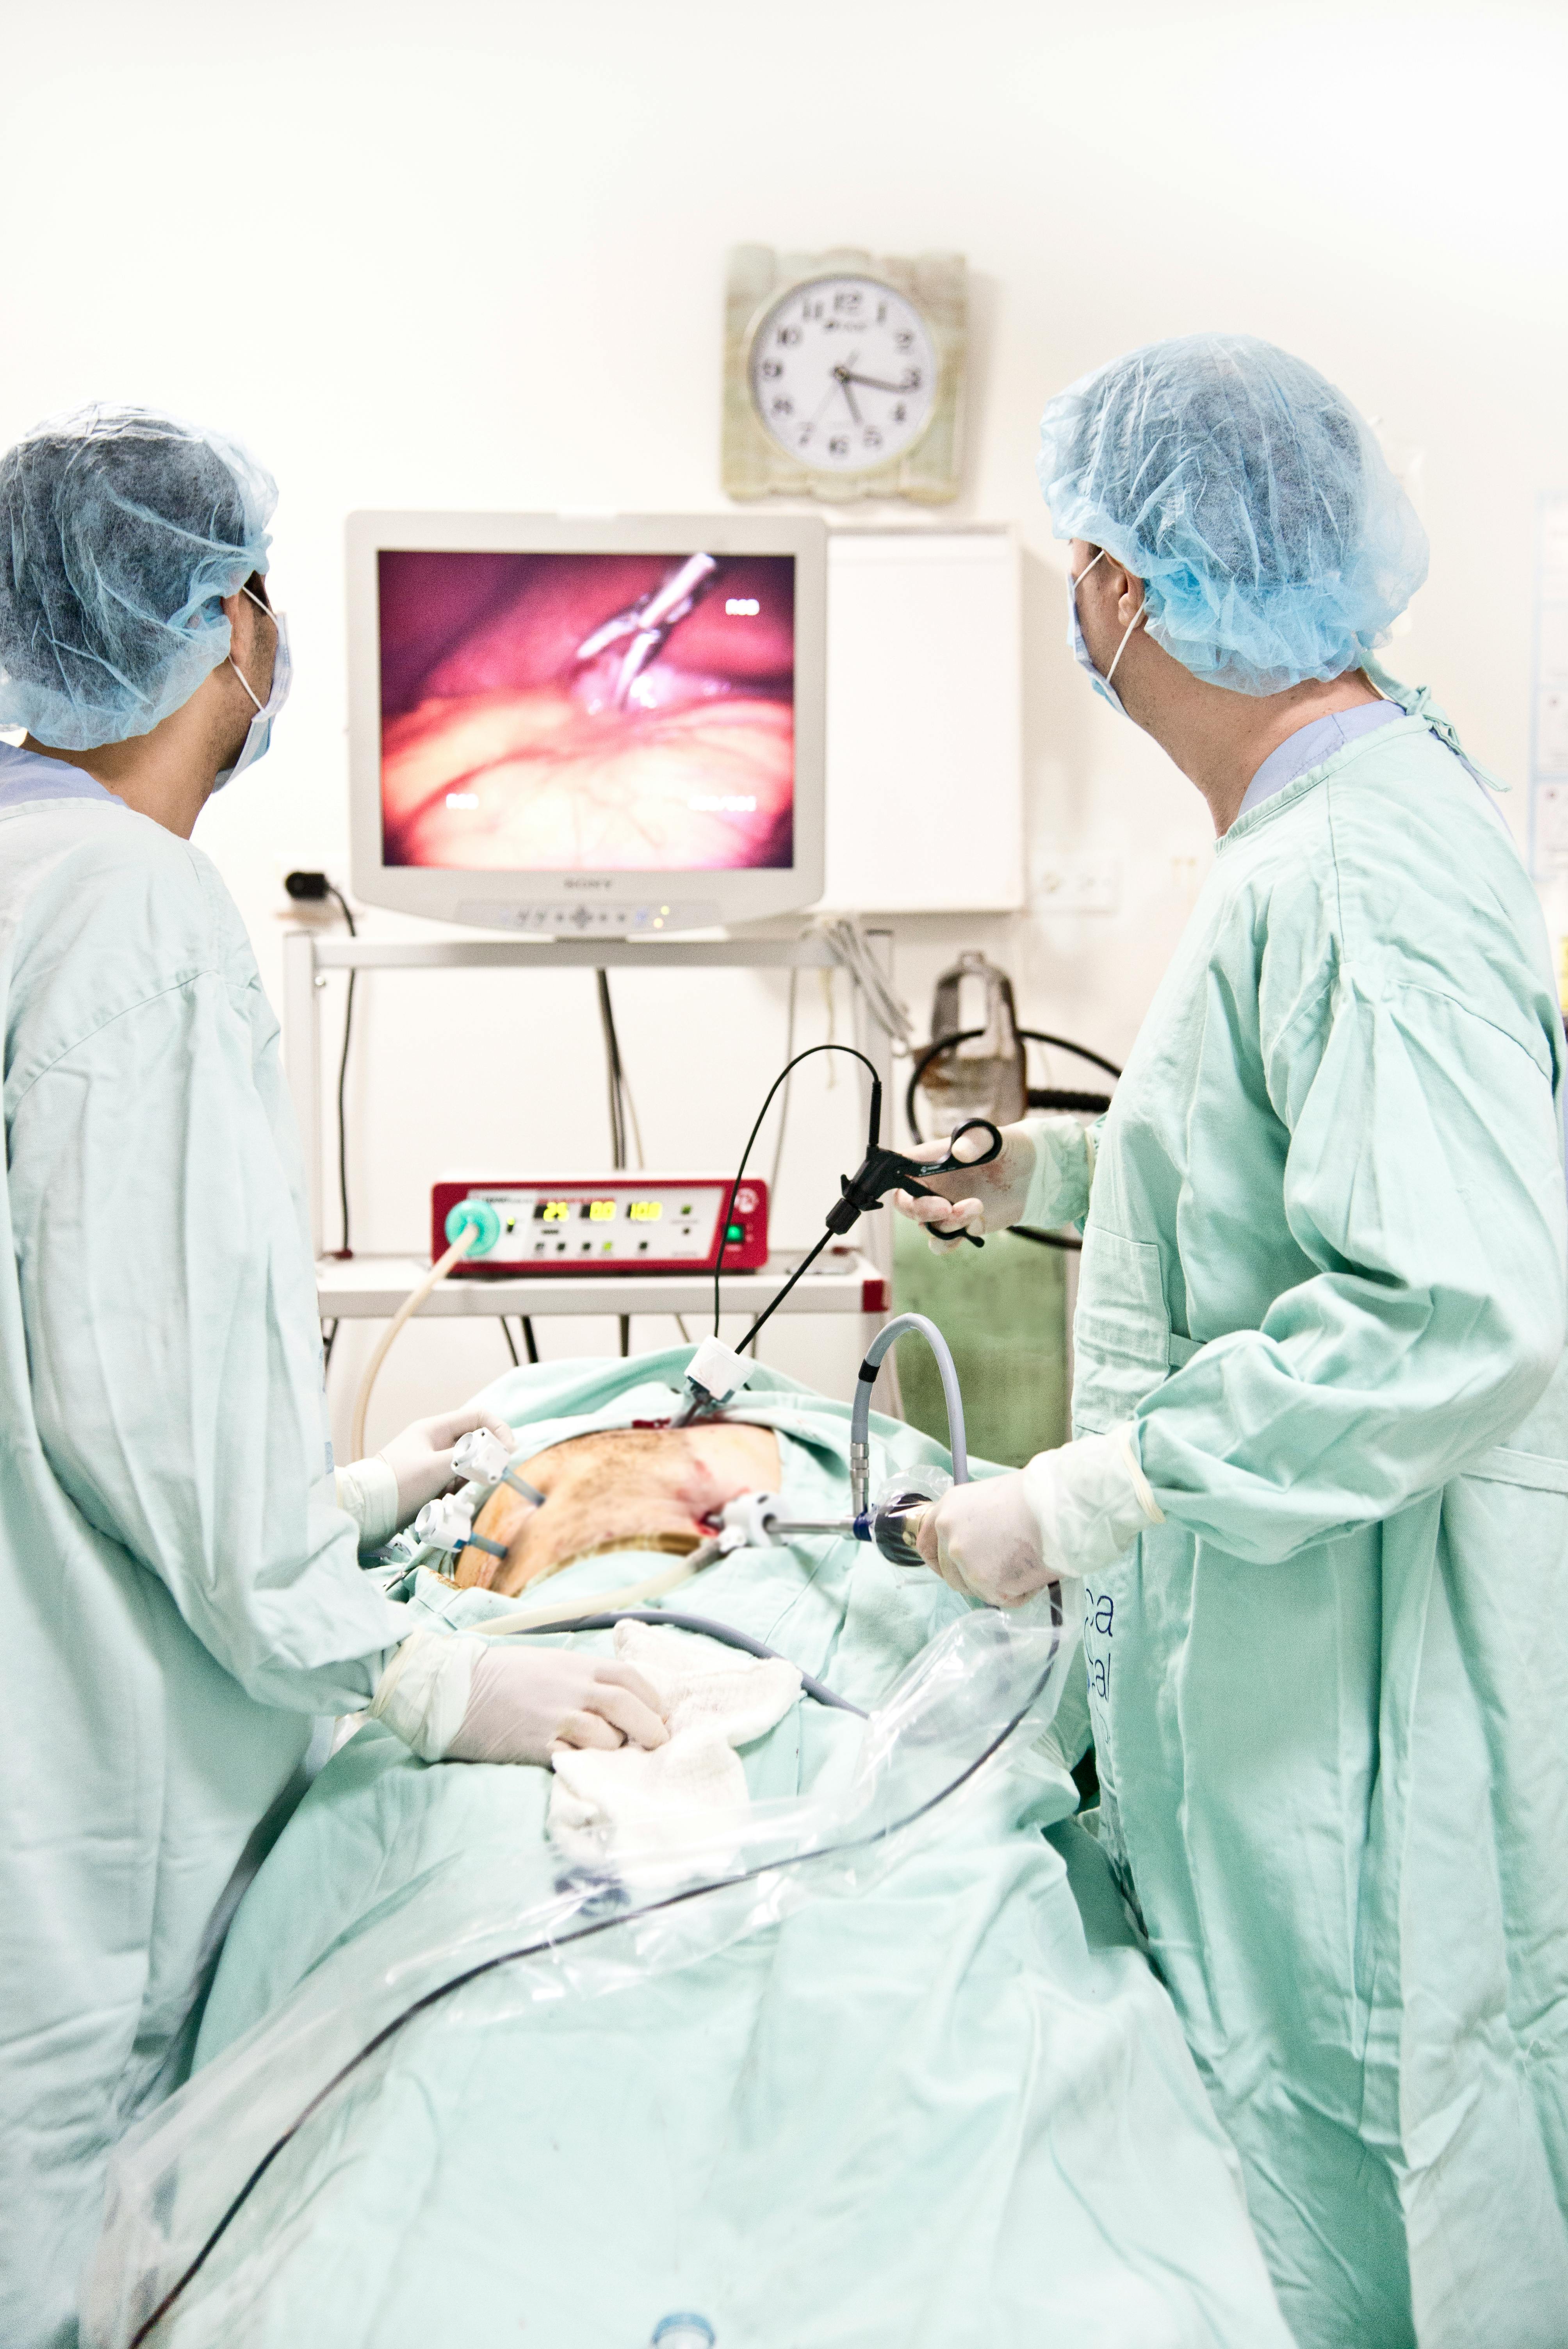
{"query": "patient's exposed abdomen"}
{"type": "Point", "coordinates": [618, 1488]}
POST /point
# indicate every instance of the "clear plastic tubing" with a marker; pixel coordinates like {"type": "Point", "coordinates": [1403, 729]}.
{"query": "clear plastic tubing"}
{"type": "Point", "coordinates": [682, 2333]}
{"type": "Point", "coordinates": [861, 1413]}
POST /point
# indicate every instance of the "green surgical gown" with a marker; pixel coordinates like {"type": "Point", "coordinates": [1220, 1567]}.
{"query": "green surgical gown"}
{"type": "Point", "coordinates": [1324, 1266]}
{"type": "Point", "coordinates": [177, 1595]}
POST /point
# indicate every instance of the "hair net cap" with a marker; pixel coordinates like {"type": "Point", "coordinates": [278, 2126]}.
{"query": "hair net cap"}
{"type": "Point", "coordinates": [1248, 495]}
{"type": "Point", "coordinates": [121, 531]}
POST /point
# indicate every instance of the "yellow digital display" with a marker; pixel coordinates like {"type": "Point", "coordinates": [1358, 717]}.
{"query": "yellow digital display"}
{"type": "Point", "coordinates": [645, 1211]}
{"type": "Point", "coordinates": [600, 1211]}
{"type": "Point", "coordinates": [552, 1211]}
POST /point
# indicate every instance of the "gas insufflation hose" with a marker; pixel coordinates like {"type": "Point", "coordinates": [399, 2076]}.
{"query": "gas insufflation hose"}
{"type": "Point", "coordinates": [860, 1411]}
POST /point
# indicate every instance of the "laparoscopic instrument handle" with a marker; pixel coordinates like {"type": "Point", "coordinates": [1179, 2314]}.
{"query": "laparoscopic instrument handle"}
{"type": "Point", "coordinates": [881, 1171]}
{"type": "Point", "coordinates": [893, 1526]}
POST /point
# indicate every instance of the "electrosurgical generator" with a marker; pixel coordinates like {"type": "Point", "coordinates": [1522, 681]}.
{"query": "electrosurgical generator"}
{"type": "Point", "coordinates": [602, 1223]}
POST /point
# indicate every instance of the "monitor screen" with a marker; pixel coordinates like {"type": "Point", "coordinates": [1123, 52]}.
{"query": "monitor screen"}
{"type": "Point", "coordinates": [569, 712]}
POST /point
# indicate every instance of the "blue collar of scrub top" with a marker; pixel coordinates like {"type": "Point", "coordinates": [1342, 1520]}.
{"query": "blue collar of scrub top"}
{"type": "Point", "coordinates": [25, 777]}
{"type": "Point", "coordinates": [1311, 744]}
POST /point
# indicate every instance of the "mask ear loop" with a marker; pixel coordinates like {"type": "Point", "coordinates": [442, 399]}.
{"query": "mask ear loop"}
{"type": "Point", "coordinates": [1121, 647]}
{"type": "Point", "coordinates": [1137, 615]}
{"type": "Point", "coordinates": [240, 673]}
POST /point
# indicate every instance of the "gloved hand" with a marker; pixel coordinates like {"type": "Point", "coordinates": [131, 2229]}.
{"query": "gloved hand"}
{"type": "Point", "coordinates": [1067, 1513]}
{"type": "Point", "coordinates": [421, 1457]}
{"type": "Point", "coordinates": [987, 1201]}
{"type": "Point", "coordinates": [984, 1540]}
{"type": "Point", "coordinates": [382, 1493]}
{"type": "Point", "coordinates": [459, 1699]}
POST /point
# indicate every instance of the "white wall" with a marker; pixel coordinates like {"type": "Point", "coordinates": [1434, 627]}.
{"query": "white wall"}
{"type": "Point", "coordinates": [475, 255]}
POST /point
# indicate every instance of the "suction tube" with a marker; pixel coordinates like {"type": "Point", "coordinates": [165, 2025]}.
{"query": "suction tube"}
{"type": "Point", "coordinates": [461, 1245]}
{"type": "Point", "coordinates": [860, 1414]}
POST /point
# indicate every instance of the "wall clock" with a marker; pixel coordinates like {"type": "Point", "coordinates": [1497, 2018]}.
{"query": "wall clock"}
{"type": "Point", "coordinates": [843, 375]}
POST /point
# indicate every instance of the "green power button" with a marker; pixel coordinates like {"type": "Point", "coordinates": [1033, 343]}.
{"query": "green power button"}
{"type": "Point", "coordinates": [735, 1232]}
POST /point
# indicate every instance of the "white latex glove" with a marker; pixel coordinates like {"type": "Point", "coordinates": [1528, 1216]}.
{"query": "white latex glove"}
{"type": "Point", "coordinates": [459, 1699]}
{"type": "Point", "coordinates": [989, 1200]}
{"type": "Point", "coordinates": [1043, 1177]}
{"type": "Point", "coordinates": [421, 1457]}
{"type": "Point", "coordinates": [1068, 1513]}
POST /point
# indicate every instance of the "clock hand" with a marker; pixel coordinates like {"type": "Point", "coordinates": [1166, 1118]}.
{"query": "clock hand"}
{"type": "Point", "coordinates": [843, 375]}
{"type": "Point", "coordinates": [874, 383]}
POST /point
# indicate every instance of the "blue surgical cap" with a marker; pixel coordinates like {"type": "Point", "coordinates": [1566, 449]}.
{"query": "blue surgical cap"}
{"type": "Point", "coordinates": [1248, 495]}
{"type": "Point", "coordinates": [121, 531]}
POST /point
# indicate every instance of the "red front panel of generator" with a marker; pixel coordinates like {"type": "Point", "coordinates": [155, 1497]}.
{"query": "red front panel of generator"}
{"type": "Point", "coordinates": [605, 1223]}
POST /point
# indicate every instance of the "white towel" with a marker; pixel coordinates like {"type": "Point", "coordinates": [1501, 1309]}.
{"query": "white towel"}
{"type": "Point", "coordinates": [633, 1805]}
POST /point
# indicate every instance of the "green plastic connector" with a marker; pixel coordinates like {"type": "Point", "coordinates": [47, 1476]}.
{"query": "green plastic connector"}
{"type": "Point", "coordinates": [486, 1224]}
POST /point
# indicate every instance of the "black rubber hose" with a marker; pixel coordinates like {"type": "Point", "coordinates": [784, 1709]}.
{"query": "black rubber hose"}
{"type": "Point", "coordinates": [1043, 1239]}
{"type": "Point", "coordinates": [1050, 1099]}
{"type": "Point", "coordinates": [1054, 1097]}
{"type": "Point", "coordinates": [1064, 1044]}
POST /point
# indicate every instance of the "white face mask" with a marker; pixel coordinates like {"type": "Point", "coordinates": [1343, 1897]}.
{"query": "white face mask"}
{"type": "Point", "coordinates": [260, 731]}
{"type": "Point", "coordinates": [1080, 651]}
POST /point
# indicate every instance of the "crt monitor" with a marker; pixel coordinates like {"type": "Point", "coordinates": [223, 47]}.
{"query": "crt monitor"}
{"type": "Point", "coordinates": [605, 726]}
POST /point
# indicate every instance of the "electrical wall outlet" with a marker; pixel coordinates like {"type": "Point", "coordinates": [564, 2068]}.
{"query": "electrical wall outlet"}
{"type": "Point", "coordinates": [1077, 884]}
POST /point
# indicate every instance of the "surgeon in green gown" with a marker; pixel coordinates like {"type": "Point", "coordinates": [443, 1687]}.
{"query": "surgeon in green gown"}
{"type": "Point", "coordinates": [180, 1593]}
{"type": "Point", "coordinates": [1317, 1494]}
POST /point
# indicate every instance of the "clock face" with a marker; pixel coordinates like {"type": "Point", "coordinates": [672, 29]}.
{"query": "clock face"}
{"type": "Point", "coordinates": [844, 374]}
